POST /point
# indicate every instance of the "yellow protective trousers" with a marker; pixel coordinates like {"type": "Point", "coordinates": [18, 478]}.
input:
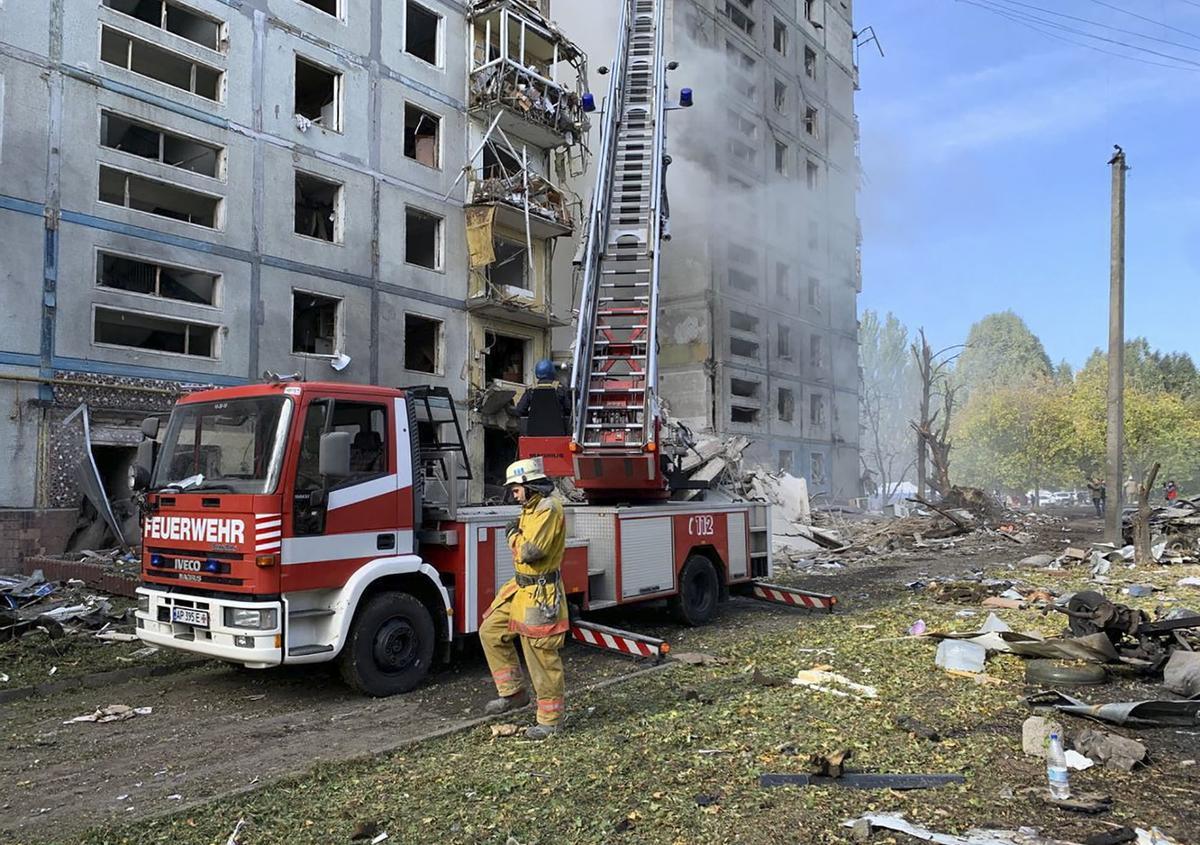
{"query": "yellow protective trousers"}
{"type": "Point", "coordinates": [541, 655]}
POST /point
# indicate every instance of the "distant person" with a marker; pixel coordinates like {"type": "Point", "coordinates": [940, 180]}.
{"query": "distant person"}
{"type": "Point", "coordinates": [546, 405]}
{"type": "Point", "coordinates": [1172, 493]}
{"type": "Point", "coordinates": [1099, 494]}
{"type": "Point", "coordinates": [1132, 491]}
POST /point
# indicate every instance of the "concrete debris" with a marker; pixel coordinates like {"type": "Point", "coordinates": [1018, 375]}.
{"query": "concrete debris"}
{"type": "Point", "coordinates": [896, 822]}
{"type": "Point", "coordinates": [1035, 735]}
{"type": "Point", "coordinates": [1182, 673]}
{"type": "Point", "coordinates": [833, 683]}
{"type": "Point", "coordinates": [1115, 752]}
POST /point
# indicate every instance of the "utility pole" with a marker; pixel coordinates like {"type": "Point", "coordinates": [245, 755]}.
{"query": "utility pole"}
{"type": "Point", "coordinates": [1115, 473]}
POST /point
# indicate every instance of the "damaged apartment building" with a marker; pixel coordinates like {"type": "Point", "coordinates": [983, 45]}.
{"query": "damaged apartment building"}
{"type": "Point", "coordinates": [758, 326]}
{"type": "Point", "coordinates": [196, 192]}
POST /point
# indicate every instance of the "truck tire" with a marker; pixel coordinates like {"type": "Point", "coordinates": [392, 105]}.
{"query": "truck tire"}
{"type": "Point", "coordinates": [699, 592]}
{"type": "Point", "coordinates": [390, 646]}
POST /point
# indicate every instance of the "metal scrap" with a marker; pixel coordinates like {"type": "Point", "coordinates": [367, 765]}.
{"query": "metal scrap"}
{"type": "Point", "coordinates": [1137, 714]}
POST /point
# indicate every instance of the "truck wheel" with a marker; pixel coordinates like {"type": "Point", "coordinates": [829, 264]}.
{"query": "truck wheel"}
{"type": "Point", "coordinates": [390, 646]}
{"type": "Point", "coordinates": [699, 591]}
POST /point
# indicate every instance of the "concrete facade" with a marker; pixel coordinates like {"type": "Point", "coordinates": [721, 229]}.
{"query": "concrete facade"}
{"type": "Point", "coordinates": [758, 326]}
{"type": "Point", "coordinates": [215, 84]}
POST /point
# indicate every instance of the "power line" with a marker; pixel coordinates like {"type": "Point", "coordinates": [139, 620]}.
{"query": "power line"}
{"type": "Point", "coordinates": [1025, 16]}
{"type": "Point", "coordinates": [1144, 18]}
{"type": "Point", "coordinates": [1154, 38]}
{"type": "Point", "coordinates": [1025, 22]}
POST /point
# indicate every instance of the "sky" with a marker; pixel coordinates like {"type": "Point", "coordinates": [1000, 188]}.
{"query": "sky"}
{"type": "Point", "coordinates": [986, 185]}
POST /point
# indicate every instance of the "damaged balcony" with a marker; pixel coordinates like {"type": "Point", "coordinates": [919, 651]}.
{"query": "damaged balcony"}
{"type": "Point", "coordinates": [549, 208]}
{"type": "Point", "coordinates": [526, 75]}
{"type": "Point", "coordinates": [504, 279]}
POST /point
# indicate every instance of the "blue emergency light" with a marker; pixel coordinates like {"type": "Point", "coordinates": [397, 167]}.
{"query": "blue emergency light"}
{"type": "Point", "coordinates": [212, 565]}
{"type": "Point", "coordinates": [156, 560]}
{"type": "Point", "coordinates": [685, 98]}
{"type": "Point", "coordinates": [589, 102]}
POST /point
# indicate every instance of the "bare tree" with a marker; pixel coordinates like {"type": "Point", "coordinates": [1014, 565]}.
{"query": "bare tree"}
{"type": "Point", "coordinates": [933, 425]}
{"type": "Point", "coordinates": [1142, 555]}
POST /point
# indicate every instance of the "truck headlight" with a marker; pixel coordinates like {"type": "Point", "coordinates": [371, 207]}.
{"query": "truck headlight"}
{"type": "Point", "coordinates": [248, 617]}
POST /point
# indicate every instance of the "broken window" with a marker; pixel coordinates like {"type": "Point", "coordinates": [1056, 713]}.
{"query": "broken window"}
{"type": "Point", "coordinates": [816, 350]}
{"type": "Point", "coordinates": [786, 460]}
{"type": "Point", "coordinates": [743, 348]}
{"type": "Point", "coordinates": [816, 409]}
{"type": "Point", "coordinates": [739, 18]}
{"type": "Point", "coordinates": [161, 198]}
{"type": "Point", "coordinates": [422, 132]}
{"type": "Point", "coordinates": [329, 7]}
{"type": "Point", "coordinates": [780, 37]}
{"type": "Point", "coordinates": [782, 288]}
{"type": "Point", "coordinates": [422, 32]}
{"type": "Point", "coordinates": [422, 344]}
{"type": "Point", "coordinates": [141, 139]}
{"type": "Point", "coordinates": [499, 163]}
{"type": "Point", "coordinates": [814, 293]}
{"type": "Point", "coordinates": [785, 405]}
{"type": "Point", "coordinates": [810, 62]}
{"type": "Point", "coordinates": [744, 126]}
{"type": "Point", "coordinates": [154, 62]}
{"type": "Point", "coordinates": [186, 23]}
{"type": "Point", "coordinates": [809, 8]}
{"type": "Point", "coordinates": [811, 172]}
{"type": "Point", "coordinates": [739, 58]}
{"type": "Point", "coordinates": [511, 267]}
{"type": "Point", "coordinates": [783, 342]}
{"type": "Point", "coordinates": [134, 275]}
{"type": "Point", "coordinates": [739, 414]}
{"type": "Point", "coordinates": [318, 207]}
{"type": "Point", "coordinates": [744, 388]}
{"type": "Point", "coordinates": [505, 358]}
{"type": "Point", "coordinates": [315, 323]}
{"type": "Point", "coordinates": [817, 465]}
{"type": "Point", "coordinates": [742, 281]}
{"type": "Point", "coordinates": [810, 120]}
{"type": "Point", "coordinates": [422, 239]}
{"type": "Point", "coordinates": [781, 157]}
{"type": "Point", "coordinates": [740, 322]}
{"type": "Point", "coordinates": [780, 97]}
{"type": "Point", "coordinates": [156, 334]}
{"type": "Point", "coordinates": [318, 95]}
{"type": "Point", "coordinates": [743, 152]}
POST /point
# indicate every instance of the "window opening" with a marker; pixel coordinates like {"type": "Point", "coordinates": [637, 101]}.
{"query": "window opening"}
{"type": "Point", "coordinates": [422, 28]}
{"type": "Point", "coordinates": [150, 142]}
{"type": "Point", "coordinates": [175, 19]}
{"type": "Point", "coordinates": [154, 62]}
{"type": "Point", "coordinates": [317, 209]}
{"type": "Point", "coordinates": [146, 277]}
{"type": "Point", "coordinates": [155, 334]}
{"type": "Point", "coordinates": [505, 358]}
{"type": "Point", "coordinates": [422, 132]}
{"type": "Point", "coordinates": [786, 404]}
{"type": "Point", "coordinates": [160, 198]}
{"type": "Point", "coordinates": [423, 239]}
{"type": "Point", "coordinates": [318, 95]}
{"type": "Point", "coordinates": [422, 344]}
{"type": "Point", "coordinates": [315, 321]}
{"type": "Point", "coordinates": [783, 342]}
{"type": "Point", "coordinates": [511, 267]}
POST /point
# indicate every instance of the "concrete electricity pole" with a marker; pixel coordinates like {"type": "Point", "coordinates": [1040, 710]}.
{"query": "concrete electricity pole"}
{"type": "Point", "coordinates": [1115, 473]}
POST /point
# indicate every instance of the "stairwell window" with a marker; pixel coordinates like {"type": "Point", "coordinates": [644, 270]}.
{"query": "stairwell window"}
{"type": "Point", "coordinates": [785, 404]}
{"type": "Point", "coordinates": [149, 278]}
{"type": "Point", "coordinates": [780, 37]}
{"type": "Point", "coordinates": [781, 97]}
{"type": "Point", "coordinates": [422, 344]}
{"type": "Point", "coordinates": [816, 409]}
{"type": "Point", "coordinates": [149, 332]}
{"type": "Point", "coordinates": [810, 62]}
{"type": "Point", "coordinates": [423, 33]}
{"type": "Point", "coordinates": [316, 324]}
{"type": "Point", "coordinates": [422, 136]}
{"type": "Point", "coordinates": [154, 143]}
{"type": "Point", "coordinates": [318, 208]}
{"type": "Point", "coordinates": [422, 239]}
{"type": "Point", "coordinates": [781, 158]}
{"type": "Point", "coordinates": [176, 19]}
{"type": "Point", "coordinates": [783, 343]}
{"type": "Point", "coordinates": [816, 351]}
{"type": "Point", "coordinates": [317, 96]}
{"type": "Point", "coordinates": [810, 121]}
{"type": "Point", "coordinates": [152, 196]}
{"type": "Point", "coordinates": [162, 65]}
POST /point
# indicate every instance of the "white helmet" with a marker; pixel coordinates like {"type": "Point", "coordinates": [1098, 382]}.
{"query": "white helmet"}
{"type": "Point", "coordinates": [520, 472]}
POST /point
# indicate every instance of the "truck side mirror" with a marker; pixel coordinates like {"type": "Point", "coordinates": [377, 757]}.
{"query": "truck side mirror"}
{"type": "Point", "coordinates": [150, 427]}
{"type": "Point", "coordinates": [333, 459]}
{"type": "Point", "coordinates": [139, 472]}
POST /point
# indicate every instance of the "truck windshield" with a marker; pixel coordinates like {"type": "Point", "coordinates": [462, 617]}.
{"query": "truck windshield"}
{"type": "Point", "coordinates": [233, 446]}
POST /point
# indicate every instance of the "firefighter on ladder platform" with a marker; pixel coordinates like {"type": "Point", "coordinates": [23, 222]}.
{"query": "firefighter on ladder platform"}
{"type": "Point", "coordinates": [546, 405]}
{"type": "Point", "coordinates": [532, 606]}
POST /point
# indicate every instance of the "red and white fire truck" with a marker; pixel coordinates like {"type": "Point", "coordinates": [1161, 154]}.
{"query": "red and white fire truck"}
{"type": "Point", "coordinates": [301, 522]}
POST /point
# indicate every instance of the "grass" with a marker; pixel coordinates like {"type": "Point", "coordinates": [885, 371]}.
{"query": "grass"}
{"type": "Point", "coordinates": [674, 757]}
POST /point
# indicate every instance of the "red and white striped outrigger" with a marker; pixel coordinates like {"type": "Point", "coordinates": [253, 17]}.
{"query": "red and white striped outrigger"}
{"type": "Point", "coordinates": [790, 596]}
{"type": "Point", "coordinates": [622, 642]}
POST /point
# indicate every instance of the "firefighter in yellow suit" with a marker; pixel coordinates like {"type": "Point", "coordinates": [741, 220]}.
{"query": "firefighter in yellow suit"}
{"type": "Point", "coordinates": [532, 605]}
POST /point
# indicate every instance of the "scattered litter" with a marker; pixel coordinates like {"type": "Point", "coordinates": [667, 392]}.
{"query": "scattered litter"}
{"type": "Point", "coordinates": [175, 797]}
{"type": "Point", "coordinates": [233, 837]}
{"type": "Point", "coordinates": [1190, 581]}
{"type": "Point", "coordinates": [1138, 714]}
{"type": "Point", "coordinates": [1139, 590]}
{"type": "Point", "coordinates": [821, 680]}
{"type": "Point", "coordinates": [1182, 673]}
{"type": "Point", "coordinates": [1078, 762]}
{"type": "Point", "coordinates": [53, 670]}
{"type": "Point", "coordinates": [830, 765]}
{"type": "Point", "coordinates": [1115, 752]}
{"type": "Point", "coordinates": [1090, 803]}
{"type": "Point", "coordinates": [859, 780]}
{"type": "Point", "coordinates": [695, 658]}
{"type": "Point", "coordinates": [1036, 561]}
{"type": "Point", "coordinates": [505, 729]}
{"type": "Point", "coordinates": [3, 678]}
{"type": "Point", "coordinates": [897, 823]}
{"type": "Point", "coordinates": [1053, 673]}
{"type": "Point", "coordinates": [916, 727]}
{"type": "Point", "coordinates": [117, 636]}
{"type": "Point", "coordinates": [364, 830]}
{"type": "Point", "coordinates": [1154, 836]}
{"type": "Point", "coordinates": [994, 624]}
{"type": "Point", "coordinates": [142, 653]}
{"type": "Point", "coordinates": [112, 713]}
{"type": "Point", "coordinates": [961, 656]}
{"type": "Point", "coordinates": [380, 838]}
{"type": "Point", "coordinates": [917, 628]}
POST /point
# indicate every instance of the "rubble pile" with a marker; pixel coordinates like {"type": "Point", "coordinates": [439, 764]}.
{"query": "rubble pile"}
{"type": "Point", "coordinates": [1176, 527]}
{"type": "Point", "coordinates": [31, 603]}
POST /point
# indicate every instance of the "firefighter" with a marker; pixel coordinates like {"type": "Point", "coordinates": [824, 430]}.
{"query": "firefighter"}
{"type": "Point", "coordinates": [532, 605]}
{"type": "Point", "coordinates": [545, 418]}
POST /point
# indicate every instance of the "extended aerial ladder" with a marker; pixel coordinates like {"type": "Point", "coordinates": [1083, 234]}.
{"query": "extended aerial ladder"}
{"type": "Point", "coordinates": [614, 452]}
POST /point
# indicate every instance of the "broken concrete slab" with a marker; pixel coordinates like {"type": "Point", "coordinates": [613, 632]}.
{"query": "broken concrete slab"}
{"type": "Point", "coordinates": [1182, 673]}
{"type": "Point", "coordinates": [1115, 752]}
{"type": "Point", "coordinates": [1035, 735]}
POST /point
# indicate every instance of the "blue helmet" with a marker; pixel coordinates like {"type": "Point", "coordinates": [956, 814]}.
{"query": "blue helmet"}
{"type": "Point", "coordinates": [544, 370]}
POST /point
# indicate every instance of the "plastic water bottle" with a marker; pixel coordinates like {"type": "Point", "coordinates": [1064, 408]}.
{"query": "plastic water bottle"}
{"type": "Point", "coordinates": [1056, 768]}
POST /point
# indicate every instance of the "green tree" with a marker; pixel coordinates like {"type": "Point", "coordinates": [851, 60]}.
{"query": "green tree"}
{"type": "Point", "coordinates": [1018, 438]}
{"type": "Point", "coordinates": [888, 397]}
{"type": "Point", "coordinates": [1000, 352]}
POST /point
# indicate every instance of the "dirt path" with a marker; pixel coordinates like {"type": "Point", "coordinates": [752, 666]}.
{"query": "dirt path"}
{"type": "Point", "coordinates": [217, 730]}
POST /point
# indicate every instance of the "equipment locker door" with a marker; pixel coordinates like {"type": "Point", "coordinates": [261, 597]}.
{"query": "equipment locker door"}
{"type": "Point", "coordinates": [647, 556]}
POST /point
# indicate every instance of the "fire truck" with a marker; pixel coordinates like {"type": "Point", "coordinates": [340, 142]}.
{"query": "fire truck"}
{"type": "Point", "coordinates": [295, 522]}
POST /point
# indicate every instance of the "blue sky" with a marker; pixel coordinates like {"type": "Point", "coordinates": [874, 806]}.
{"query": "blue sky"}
{"type": "Point", "coordinates": [986, 187]}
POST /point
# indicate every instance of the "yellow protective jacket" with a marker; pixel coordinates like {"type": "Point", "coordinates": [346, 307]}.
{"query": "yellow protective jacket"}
{"type": "Point", "coordinates": [537, 547]}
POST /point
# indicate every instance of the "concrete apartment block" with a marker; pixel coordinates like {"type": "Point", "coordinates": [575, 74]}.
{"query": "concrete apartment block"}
{"type": "Point", "coordinates": [193, 192]}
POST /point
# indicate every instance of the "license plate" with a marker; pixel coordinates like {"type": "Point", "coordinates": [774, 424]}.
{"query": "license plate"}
{"type": "Point", "coordinates": [187, 616]}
